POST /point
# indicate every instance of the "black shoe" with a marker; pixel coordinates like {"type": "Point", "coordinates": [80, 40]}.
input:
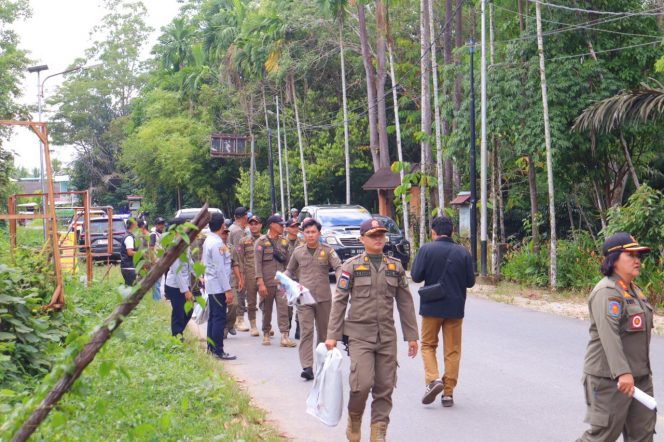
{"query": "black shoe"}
{"type": "Point", "coordinates": [232, 331]}
{"type": "Point", "coordinates": [307, 374]}
{"type": "Point", "coordinates": [432, 390]}
{"type": "Point", "coordinates": [447, 401]}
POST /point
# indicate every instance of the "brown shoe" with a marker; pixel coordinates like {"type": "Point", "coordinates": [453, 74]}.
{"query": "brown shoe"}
{"type": "Point", "coordinates": [266, 339]}
{"type": "Point", "coordinates": [432, 390]}
{"type": "Point", "coordinates": [378, 432]}
{"type": "Point", "coordinates": [286, 342]}
{"type": "Point", "coordinates": [240, 325]}
{"type": "Point", "coordinates": [447, 401]}
{"type": "Point", "coordinates": [354, 428]}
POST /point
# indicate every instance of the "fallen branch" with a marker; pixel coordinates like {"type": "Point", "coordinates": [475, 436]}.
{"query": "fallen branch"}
{"type": "Point", "coordinates": [105, 331]}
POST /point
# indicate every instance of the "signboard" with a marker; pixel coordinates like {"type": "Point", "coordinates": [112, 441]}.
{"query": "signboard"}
{"type": "Point", "coordinates": [225, 145]}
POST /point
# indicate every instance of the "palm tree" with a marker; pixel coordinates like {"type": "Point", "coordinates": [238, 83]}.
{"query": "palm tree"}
{"type": "Point", "coordinates": [176, 43]}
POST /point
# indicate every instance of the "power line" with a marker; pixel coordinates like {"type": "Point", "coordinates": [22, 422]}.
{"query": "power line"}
{"type": "Point", "coordinates": [580, 25]}
{"type": "Point", "coordinates": [590, 11]}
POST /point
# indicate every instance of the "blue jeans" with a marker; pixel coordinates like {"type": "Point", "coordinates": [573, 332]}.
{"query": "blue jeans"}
{"type": "Point", "coordinates": [216, 322]}
{"type": "Point", "coordinates": [156, 290]}
{"type": "Point", "coordinates": [179, 318]}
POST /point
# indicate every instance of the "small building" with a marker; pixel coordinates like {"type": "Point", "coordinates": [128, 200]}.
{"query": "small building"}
{"type": "Point", "coordinates": [134, 204]}
{"type": "Point", "coordinates": [462, 203]}
{"type": "Point", "coordinates": [61, 183]}
{"type": "Point", "coordinates": [385, 181]}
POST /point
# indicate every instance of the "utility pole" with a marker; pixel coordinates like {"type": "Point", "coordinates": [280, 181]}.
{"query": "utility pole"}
{"type": "Point", "coordinates": [252, 170]}
{"type": "Point", "coordinates": [483, 152]}
{"type": "Point", "coordinates": [473, 171]}
{"type": "Point", "coordinates": [549, 159]}
{"type": "Point", "coordinates": [270, 165]}
{"type": "Point", "coordinates": [281, 170]}
{"type": "Point", "coordinates": [38, 70]}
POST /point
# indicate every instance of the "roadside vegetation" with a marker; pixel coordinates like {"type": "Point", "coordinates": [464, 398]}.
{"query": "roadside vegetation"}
{"type": "Point", "coordinates": [145, 384]}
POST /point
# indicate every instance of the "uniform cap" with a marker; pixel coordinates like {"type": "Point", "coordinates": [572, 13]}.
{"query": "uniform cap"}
{"type": "Point", "coordinates": [275, 219]}
{"type": "Point", "coordinates": [371, 226]}
{"type": "Point", "coordinates": [240, 212]}
{"type": "Point", "coordinates": [292, 222]}
{"type": "Point", "coordinates": [159, 220]}
{"type": "Point", "coordinates": [255, 218]}
{"type": "Point", "coordinates": [623, 242]}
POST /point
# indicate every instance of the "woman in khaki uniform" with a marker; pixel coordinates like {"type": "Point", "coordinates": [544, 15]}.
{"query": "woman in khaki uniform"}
{"type": "Point", "coordinates": [618, 354]}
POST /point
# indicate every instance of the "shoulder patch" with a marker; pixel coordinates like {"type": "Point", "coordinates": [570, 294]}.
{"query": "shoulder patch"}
{"type": "Point", "coordinates": [344, 281]}
{"type": "Point", "coordinates": [614, 309]}
{"type": "Point", "coordinates": [284, 242]}
{"type": "Point", "coordinates": [391, 266]}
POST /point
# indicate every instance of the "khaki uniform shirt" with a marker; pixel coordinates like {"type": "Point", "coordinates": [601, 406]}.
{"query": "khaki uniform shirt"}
{"type": "Point", "coordinates": [245, 254]}
{"type": "Point", "coordinates": [266, 264]}
{"type": "Point", "coordinates": [293, 244]}
{"type": "Point", "coordinates": [372, 295]}
{"type": "Point", "coordinates": [235, 234]}
{"type": "Point", "coordinates": [312, 270]}
{"type": "Point", "coordinates": [621, 321]}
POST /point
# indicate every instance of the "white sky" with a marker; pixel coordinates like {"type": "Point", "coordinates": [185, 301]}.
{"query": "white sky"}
{"type": "Point", "coordinates": [56, 34]}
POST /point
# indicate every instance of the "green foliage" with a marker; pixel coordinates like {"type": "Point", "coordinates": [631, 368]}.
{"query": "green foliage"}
{"type": "Point", "coordinates": [525, 267]}
{"type": "Point", "coordinates": [643, 217]}
{"type": "Point", "coordinates": [29, 335]}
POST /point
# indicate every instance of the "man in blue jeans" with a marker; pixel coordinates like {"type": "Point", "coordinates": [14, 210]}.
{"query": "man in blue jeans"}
{"type": "Point", "coordinates": [216, 257]}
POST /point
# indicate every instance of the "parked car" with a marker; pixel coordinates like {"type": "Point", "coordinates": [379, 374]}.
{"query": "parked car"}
{"type": "Point", "coordinates": [396, 246]}
{"type": "Point", "coordinates": [99, 236]}
{"type": "Point", "coordinates": [190, 213]}
{"type": "Point", "coordinates": [341, 226]}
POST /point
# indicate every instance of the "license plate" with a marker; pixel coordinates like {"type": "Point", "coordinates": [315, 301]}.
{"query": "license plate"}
{"type": "Point", "coordinates": [102, 242]}
{"type": "Point", "coordinates": [356, 251]}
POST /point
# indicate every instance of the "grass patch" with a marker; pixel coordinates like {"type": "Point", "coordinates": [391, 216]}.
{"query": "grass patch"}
{"type": "Point", "coordinates": [145, 385]}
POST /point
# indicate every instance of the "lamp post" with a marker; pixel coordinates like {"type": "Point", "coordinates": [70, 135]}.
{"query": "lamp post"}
{"type": "Point", "coordinates": [473, 164]}
{"type": "Point", "coordinates": [38, 69]}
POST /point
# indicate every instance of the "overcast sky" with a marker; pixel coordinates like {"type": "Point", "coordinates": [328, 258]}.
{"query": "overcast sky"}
{"type": "Point", "coordinates": [56, 34]}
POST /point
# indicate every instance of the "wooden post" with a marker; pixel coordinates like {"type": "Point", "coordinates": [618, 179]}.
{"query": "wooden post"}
{"type": "Point", "coordinates": [105, 331]}
{"type": "Point", "coordinates": [11, 208]}
{"type": "Point", "coordinates": [88, 251]}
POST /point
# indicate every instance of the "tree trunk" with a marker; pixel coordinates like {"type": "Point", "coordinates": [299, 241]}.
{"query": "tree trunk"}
{"type": "Point", "coordinates": [553, 273]}
{"type": "Point", "coordinates": [252, 173]}
{"type": "Point", "coordinates": [436, 107]}
{"type": "Point", "coordinates": [628, 158]}
{"type": "Point", "coordinates": [425, 111]}
{"type": "Point", "coordinates": [288, 190]}
{"type": "Point", "coordinates": [281, 164]}
{"type": "Point", "coordinates": [458, 98]}
{"type": "Point", "coordinates": [404, 202]}
{"type": "Point", "coordinates": [532, 186]}
{"type": "Point", "coordinates": [371, 87]}
{"type": "Point", "coordinates": [381, 77]}
{"type": "Point", "coordinates": [300, 141]}
{"type": "Point", "coordinates": [345, 106]}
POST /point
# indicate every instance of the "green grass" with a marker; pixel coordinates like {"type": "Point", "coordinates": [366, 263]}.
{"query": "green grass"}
{"type": "Point", "coordinates": [144, 385]}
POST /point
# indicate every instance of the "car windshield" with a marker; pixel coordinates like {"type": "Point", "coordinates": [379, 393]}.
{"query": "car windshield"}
{"type": "Point", "coordinates": [338, 218]}
{"type": "Point", "coordinates": [391, 226]}
{"type": "Point", "coordinates": [101, 226]}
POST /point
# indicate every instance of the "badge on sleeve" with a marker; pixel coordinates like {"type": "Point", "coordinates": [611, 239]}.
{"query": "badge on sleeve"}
{"type": "Point", "coordinates": [344, 281]}
{"type": "Point", "coordinates": [284, 242]}
{"type": "Point", "coordinates": [614, 309]}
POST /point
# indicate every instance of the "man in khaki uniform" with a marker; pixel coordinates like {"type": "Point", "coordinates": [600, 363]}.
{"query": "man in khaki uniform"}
{"type": "Point", "coordinates": [245, 253]}
{"type": "Point", "coordinates": [238, 307]}
{"type": "Point", "coordinates": [271, 255]}
{"type": "Point", "coordinates": [372, 282]}
{"type": "Point", "coordinates": [618, 354]}
{"type": "Point", "coordinates": [292, 231]}
{"type": "Point", "coordinates": [311, 264]}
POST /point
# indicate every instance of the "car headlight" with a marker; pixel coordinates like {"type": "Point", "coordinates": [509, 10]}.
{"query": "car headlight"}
{"type": "Point", "coordinates": [332, 240]}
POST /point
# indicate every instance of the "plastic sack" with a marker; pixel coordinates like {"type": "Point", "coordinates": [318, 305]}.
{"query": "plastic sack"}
{"type": "Point", "coordinates": [201, 315]}
{"type": "Point", "coordinates": [326, 397]}
{"type": "Point", "coordinates": [296, 293]}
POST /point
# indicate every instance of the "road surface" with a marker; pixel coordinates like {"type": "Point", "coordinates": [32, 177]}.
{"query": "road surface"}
{"type": "Point", "coordinates": [520, 380]}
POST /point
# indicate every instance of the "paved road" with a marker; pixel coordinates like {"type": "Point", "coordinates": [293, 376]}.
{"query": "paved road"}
{"type": "Point", "coordinates": [520, 381]}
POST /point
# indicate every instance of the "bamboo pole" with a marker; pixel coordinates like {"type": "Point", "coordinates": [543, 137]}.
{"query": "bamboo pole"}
{"type": "Point", "coordinates": [105, 331]}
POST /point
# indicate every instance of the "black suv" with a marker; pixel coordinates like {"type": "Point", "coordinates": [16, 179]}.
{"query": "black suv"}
{"type": "Point", "coordinates": [99, 236]}
{"type": "Point", "coordinates": [341, 226]}
{"type": "Point", "coordinates": [396, 246]}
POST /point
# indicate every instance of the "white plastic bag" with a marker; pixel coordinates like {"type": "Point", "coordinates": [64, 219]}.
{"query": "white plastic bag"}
{"type": "Point", "coordinates": [326, 398]}
{"type": "Point", "coordinates": [201, 315]}
{"type": "Point", "coordinates": [296, 293]}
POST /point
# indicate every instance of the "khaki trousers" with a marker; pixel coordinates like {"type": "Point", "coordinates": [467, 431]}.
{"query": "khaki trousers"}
{"type": "Point", "coordinates": [282, 311]}
{"type": "Point", "coordinates": [451, 349]}
{"type": "Point", "coordinates": [232, 310]}
{"type": "Point", "coordinates": [611, 413]}
{"type": "Point", "coordinates": [373, 367]}
{"type": "Point", "coordinates": [307, 315]}
{"type": "Point", "coordinates": [251, 290]}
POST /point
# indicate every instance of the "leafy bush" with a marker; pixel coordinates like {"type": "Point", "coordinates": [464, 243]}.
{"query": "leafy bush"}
{"type": "Point", "coordinates": [28, 335]}
{"type": "Point", "coordinates": [522, 265]}
{"type": "Point", "coordinates": [643, 217]}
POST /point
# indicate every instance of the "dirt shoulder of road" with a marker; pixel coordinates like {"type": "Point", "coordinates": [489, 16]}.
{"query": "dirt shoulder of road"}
{"type": "Point", "coordinates": [570, 304]}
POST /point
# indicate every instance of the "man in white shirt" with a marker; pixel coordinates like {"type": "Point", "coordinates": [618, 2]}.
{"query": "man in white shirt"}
{"type": "Point", "coordinates": [127, 251]}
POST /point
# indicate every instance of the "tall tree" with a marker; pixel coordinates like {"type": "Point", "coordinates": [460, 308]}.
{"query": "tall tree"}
{"type": "Point", "coordinates": [425, 109]}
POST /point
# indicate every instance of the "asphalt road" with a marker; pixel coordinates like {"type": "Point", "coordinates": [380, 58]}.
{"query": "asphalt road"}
{"type": "Point", "coordinates": [520, 381]}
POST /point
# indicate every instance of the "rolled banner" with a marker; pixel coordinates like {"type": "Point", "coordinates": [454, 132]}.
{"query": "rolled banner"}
{"type": "Point", "coordinates": [645, 399]}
